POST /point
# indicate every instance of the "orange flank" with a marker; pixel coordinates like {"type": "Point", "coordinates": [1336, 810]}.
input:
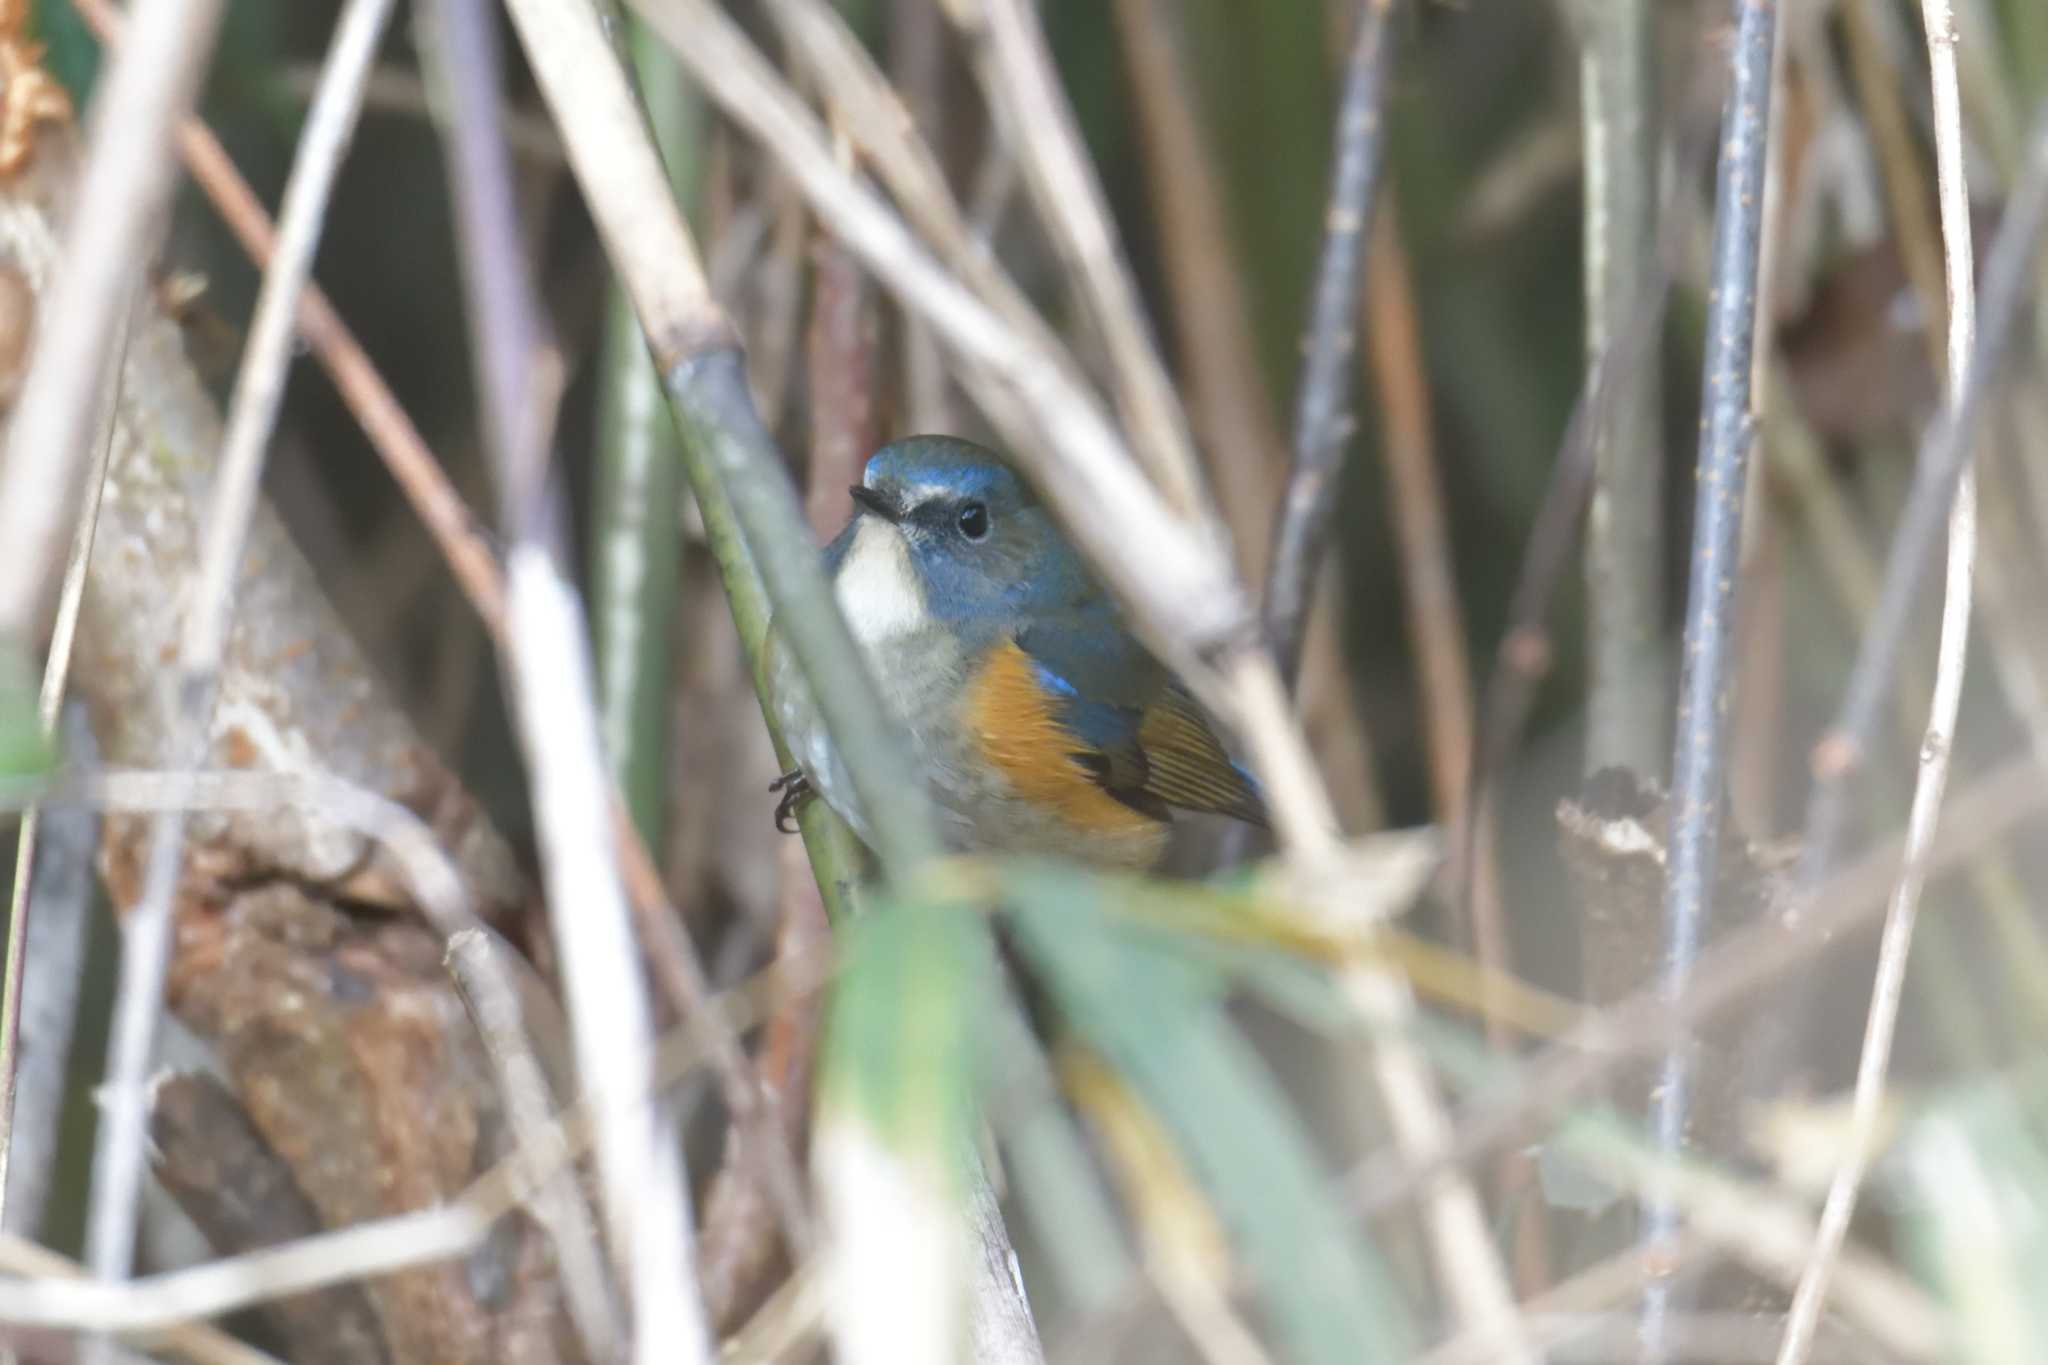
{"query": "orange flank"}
{"type": "Point", "coordinates": [1011, 716]}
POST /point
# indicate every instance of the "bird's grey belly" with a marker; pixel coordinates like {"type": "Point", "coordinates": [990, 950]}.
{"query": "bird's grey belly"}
{"type": "Point", "coordinates": [917, 676]}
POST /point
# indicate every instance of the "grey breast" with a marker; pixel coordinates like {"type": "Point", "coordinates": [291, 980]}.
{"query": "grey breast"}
{"type": "Point", "coordinates": [919, 675]}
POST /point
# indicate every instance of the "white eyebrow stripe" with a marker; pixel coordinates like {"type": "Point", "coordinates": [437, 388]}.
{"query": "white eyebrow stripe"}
{"type": "Point", "coordinates": [911, 496]}
{"type": "Point", "coordinates": [917, 495]}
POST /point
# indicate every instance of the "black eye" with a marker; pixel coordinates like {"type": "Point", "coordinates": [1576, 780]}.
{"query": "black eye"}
{"type": "Point", "coordinates": [974, 521]}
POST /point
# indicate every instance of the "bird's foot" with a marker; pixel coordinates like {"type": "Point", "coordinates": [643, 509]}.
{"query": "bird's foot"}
{"type": "Point", "coordinates": [795, 789]}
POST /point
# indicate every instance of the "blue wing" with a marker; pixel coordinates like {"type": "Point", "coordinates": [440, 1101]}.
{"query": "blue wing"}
{"type": "Point", "coordinates": [1137, 730]}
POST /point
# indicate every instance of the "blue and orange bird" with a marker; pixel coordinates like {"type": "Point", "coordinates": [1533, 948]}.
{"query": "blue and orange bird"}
{"type": "Point", "coordinates": [1041, 724]}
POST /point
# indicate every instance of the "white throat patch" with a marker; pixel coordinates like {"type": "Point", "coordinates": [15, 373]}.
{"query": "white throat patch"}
{"type": "Point", "coordinates": [877, 588]}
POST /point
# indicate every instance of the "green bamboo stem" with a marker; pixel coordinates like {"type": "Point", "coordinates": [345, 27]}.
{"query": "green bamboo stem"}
{"type": "Point", "coordinates": [734, 470]}
{"type": "Point", "coordinates": [1625, 532]}
{"type": "Point", "coordinates": [835, 854]}
{"type": "Point", "coordinates": [636, 539]}
{"type": "Point", "coordinates": [636, 563]}
{"type": "Point", "coordinates": [647, 465]}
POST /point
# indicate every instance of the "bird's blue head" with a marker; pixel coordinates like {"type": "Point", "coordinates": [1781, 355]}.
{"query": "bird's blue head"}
{"type": "Point", "coordinates": [945, 533]}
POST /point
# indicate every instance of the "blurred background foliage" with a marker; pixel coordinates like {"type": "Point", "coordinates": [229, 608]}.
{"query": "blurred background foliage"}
{"type": "Point", "coordinates": [1484, 176]}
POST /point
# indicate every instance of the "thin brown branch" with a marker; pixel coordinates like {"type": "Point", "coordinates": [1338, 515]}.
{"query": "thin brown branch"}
{"type": "Point", "coordinates": [1436, 625]}
{"type": "Point", "coordinates": [674, 961]}
{"type": "Point", "coordinates": [917, 51]}
{"type": "Point", "coordinates": [1760, 713]}
{"type": "Point", "coordinates": [1233, 405]}
{"type": "Point", "coordinates": [869, 113]}
{"type": "Point", "coordinates": [738, 1257]}
{"type": "Point", "coordinates": [840, 361]}
{"type": "Point", "coordinates": [1429, 573]}
{"type": "Point", "coordinates": [777, 287]}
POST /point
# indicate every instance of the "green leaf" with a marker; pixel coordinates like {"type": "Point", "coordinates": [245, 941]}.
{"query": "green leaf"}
{"type": "Point", "coordinates": [1062, 1192]}
{"type": "Point", "coordinates": [901, 1043]}
{"type": "Point", "coordinates": [893, 1148]}
{"type": "Point", "coordinates": [1977, 1220]}
{"type": "Point", "coordinates": [1156, 1014]}
{"type": "Point", "coordinates": [636, 566]}
{"type": "Point", "coordinates": [69, 51]}
{"type": "Point", "coordinates": [24, 750]}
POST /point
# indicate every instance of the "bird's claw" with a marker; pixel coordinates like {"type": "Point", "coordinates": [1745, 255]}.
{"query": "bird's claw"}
{"type": "Point", "coordinates": [795, 789]}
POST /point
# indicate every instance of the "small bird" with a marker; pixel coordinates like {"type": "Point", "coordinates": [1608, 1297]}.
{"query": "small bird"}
{"type": "Point", "coordinates": [1040, 723]}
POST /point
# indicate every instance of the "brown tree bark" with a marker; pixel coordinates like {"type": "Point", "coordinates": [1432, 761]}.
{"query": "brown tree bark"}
{"type": "Point", "coordinates": [358, 1082]}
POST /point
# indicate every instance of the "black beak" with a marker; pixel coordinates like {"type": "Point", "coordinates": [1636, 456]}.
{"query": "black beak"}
{"type": "Point", "coordinates": [869, 500]}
